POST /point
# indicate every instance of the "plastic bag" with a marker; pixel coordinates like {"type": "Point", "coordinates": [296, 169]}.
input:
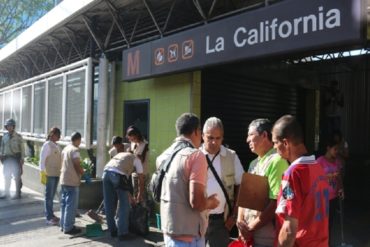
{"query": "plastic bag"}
{"type": "Point", "coordinates": [94, 230]}
{"type": "Point", "coordinates": [43, 178]}
{"type": "Point", "coordinates": [139, 220]}
{"type": "Point", "coordinates": [238, 243]}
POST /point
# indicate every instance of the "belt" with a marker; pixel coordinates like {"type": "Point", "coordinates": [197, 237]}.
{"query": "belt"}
{"type": "Point", "coordinates": [216, 216]}
{"type": "Point", "coordinates": [10, 157]}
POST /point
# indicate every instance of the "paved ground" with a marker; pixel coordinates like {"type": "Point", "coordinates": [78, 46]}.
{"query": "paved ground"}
{"type": "Point", "coordinates": [22, 224]}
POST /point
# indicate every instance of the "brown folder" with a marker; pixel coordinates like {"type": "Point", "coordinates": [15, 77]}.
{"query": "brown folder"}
{"type": "Point", "coordinates": [253, 192]}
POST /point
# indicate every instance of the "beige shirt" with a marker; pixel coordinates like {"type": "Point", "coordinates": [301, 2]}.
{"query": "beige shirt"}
{"type": "Point", "coordinates": [50, 159]}
{"type": "Point", "coordinates": [69, 176]}
{"type": "Point", "coordinates": [124, 163]}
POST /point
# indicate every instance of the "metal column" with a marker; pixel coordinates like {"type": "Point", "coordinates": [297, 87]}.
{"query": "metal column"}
{"type": "Point", "coordinates": [102, 116]}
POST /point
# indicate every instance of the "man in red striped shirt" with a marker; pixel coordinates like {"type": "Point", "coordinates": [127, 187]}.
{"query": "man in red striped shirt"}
{"type": "Point", "coordinates": [302, 207]}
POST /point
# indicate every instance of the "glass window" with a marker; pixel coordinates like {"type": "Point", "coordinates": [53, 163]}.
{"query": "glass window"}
{"type": "Point", "coordinates": [26, 109]}
{"type": "Point", "coordinates": [58, 100]}
{"type": "Point", "coordinates": [7, 105]}
{"type": "Point", "coordinates": [75, 109]}
{"type": "Point", "coordinates": [16, 106]}
{"type": "Point", "coordinates": [55, 102]}
{"type": "Point", "coordinates": [39, 109]}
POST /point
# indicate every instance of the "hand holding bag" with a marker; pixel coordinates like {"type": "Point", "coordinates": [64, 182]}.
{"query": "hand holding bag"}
{"type": "Point", "coordinates": [138, 222]}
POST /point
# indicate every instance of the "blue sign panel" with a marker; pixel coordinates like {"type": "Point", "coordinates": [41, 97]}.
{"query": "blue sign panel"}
{"type": "Point", "coordinates": [284, 28]}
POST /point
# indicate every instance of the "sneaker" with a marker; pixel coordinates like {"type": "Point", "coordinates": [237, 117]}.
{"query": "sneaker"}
{"type": "Point", "coordinates": [73, 231]}
{"type": "Point", "coordinates": [52, 222]}
{"type": "Point", "coordinates": [56, 218]}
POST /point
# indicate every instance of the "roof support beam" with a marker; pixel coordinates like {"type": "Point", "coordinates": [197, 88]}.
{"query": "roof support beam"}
{"type": "Point", "coordinates": [210, 12]}
{"type": "Point", "coordinates": [72, 42]}
{"type": "Point", "coordinates": [89, 26]}
{"type": "Point", "coordinates": [57, 50]}
{"type": "Point", "coordinates": [153, 18]}
{"type": "Point", "coordinates": [34, 64]}
{"type": "Point", "coordinates": [69, 54]}
{"type": "Point", "coordinates": [117, 20]}
{"type": "Point", "coordinates": [200, 10]}
{"type": "Point", "coordinates": [135, 26]}
{"type": "Point", "coordinates": [24, 66]}
{"type": "Point", "coordinates": [169, 15]}
{"type": "Point", "coordinates": [46, 57]}
{"type": "Point", "coordinates": [109, 34]}
{"type": "Point", "coordinates": [55, 61]}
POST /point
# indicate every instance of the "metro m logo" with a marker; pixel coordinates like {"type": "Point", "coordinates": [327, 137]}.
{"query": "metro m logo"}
{"type": "Point", "coordinates": [133, 63]}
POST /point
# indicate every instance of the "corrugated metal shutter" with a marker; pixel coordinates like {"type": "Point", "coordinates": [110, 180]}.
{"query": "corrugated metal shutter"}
{"type": "Point", "coordinates": [353, 77]}
{"type": "Point", "coordinates": [237, 100]}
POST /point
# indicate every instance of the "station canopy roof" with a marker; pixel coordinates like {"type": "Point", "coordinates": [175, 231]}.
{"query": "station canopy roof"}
{"type": "Point", "coordinates": [74, 30]}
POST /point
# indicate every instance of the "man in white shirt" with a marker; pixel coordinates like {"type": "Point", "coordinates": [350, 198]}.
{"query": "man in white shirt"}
{"type": "Point", "coordinates": [227, 165]}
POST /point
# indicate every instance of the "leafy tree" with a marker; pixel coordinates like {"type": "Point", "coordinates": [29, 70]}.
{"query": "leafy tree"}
{"type": "Point", "coordinates": [17, 15]}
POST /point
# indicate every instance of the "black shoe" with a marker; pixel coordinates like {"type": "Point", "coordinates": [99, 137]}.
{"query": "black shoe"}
{"type": "Point", "coordinates": [113, 234]}
{"type": "Point", "coordinates": [3, 197]}
{"type": "Point", "coordinates": [126, 237]}
{"type": "Point", "coordinates": [73, 231]}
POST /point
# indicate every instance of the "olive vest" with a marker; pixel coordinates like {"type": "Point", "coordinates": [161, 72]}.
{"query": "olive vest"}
{"type": "Point", "coordinates": [53, 161]}
{"type": "Point", "coordinates": [124, 162]}
{"type": "Point", "coordinates": [228, 175]}
{"type": "Point", "coordinates": [69, 175]}
{"type": "Point", "coordinates": [177, 216]}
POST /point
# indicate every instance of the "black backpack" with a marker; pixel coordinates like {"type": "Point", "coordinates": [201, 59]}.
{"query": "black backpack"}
{"type": "Point", "coordinates": [155, 185]}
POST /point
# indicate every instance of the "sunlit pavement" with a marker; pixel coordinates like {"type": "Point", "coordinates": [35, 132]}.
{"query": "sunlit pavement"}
{"type": "Point", "coordinates": [22, 223]}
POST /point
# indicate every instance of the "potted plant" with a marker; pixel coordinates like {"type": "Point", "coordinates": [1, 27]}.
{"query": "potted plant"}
{"type": "Point", "coordinates": [87, 166]}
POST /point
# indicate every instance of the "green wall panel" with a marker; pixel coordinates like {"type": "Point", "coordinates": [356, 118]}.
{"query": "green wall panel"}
{"type": "Point", "coordinates": [169, 97]}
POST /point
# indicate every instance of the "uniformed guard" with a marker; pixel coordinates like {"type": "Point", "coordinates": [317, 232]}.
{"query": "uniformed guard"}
{"type": "Point", "coordinates": [12, 158]}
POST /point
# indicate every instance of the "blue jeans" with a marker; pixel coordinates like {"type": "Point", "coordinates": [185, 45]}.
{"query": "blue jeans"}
{"type": "Point", "coordinates": [111, 181]}
{"type": "Point", "coordinates": [77, 198]}
{"type": "Point", "coordinates": [196, 242]}
{"type": "Point", "coordinates": [50, 189]}
{"type": "Point", "coordinates": [68, 207]}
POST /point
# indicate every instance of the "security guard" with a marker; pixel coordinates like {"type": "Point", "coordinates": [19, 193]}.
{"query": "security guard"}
{"type": "Point", "coordinates": [12, 158]}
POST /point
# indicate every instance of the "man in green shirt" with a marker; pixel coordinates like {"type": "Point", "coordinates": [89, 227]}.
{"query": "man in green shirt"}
{"type": "Point", "coordinates": [257, 226]}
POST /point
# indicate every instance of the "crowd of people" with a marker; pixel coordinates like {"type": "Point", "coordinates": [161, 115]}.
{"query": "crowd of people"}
{"type": "Point", "coordinates": [200, 190]}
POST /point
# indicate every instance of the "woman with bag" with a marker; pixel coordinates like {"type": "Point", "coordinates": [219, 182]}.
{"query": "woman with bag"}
{"type": "Point", "coordinates": [50, 165]}
{"type": "Point", "coordinates": [139, 147]}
